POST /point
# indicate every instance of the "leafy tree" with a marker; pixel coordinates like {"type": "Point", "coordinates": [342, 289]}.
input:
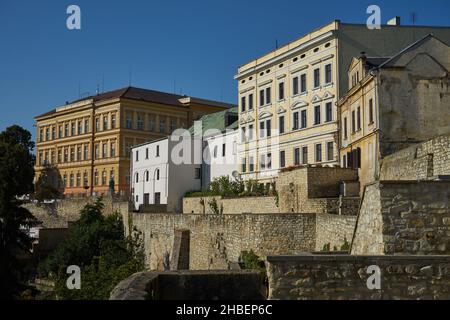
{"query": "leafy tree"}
{"type": "Point", "coordinates": [16, 179]}
{"type": "Point", "coordinates": [48, 184]}
{"type": "Point", "coordinates": [98, 246]}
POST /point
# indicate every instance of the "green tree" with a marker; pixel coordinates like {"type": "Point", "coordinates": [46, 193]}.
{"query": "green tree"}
{"type": "Point", "coordinates": [16, 179]}
{"type": "Point", "coordinates": [97, 245]}
{"type": "Point", "coordinates": [48, 184]}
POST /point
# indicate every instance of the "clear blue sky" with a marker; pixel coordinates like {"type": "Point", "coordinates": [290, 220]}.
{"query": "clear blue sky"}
{"type": "Point", "coordinates": [197, 43]}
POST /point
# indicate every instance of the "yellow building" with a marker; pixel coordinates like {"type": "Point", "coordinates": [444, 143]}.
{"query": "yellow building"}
{"type": "Point", "coordinates": [287, 98]}
{"type": "Point", "coordinates": [394, 103]}
{"type": "Point", "coordinates": [89, 140]}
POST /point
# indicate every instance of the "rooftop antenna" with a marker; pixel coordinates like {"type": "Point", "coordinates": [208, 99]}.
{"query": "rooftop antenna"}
{"type": "Point", "coordinates": [174, 85]}
{"type": "Point", "coordinates": [103, 82]}
{"type": "Point", "coordinates": [97, 92]}
{"type": "Point", "coordinates": [276, 44]}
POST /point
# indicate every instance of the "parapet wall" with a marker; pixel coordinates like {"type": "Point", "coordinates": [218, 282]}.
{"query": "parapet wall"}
{"type": "Point", "coordinates": [258, 205]}
{"type": "Point", "coordinates": [334, 230]}
{"type": "Point", "coordinates": [344, 277]}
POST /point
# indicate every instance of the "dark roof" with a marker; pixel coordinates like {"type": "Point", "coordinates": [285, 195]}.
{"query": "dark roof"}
{"type": "Point", "coordinates": [217, 121]}
{"type": "Point", "coordinates": [134, 93]}
{"type": "Point", "coordinates": [373, 62]}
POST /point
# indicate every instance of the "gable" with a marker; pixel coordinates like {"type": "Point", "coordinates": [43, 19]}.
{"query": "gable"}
{"type": "Point", "coordinates": [423, 65]}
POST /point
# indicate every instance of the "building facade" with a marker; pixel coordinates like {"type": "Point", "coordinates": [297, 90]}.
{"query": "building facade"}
{"type": "Point", "coordinates": [287, 98]}
{"type": "Point", "coordinates": [89, 140]}
{"type": "Point", "coordinates": [394, 103]}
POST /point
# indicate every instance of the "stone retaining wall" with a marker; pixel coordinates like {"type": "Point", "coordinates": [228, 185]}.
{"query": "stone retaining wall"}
{"type": "Point", "coordinates": [257, 205]}
{"type": "Point", "coordinates": [334, 230]}
{"type": "Point", "coordinates": [344, 277]}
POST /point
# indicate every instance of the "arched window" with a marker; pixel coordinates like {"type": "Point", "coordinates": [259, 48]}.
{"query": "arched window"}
{"type": "Point", "coordinates": [157, 174]}
{"type": "Point", "coordinates": [147, 176]}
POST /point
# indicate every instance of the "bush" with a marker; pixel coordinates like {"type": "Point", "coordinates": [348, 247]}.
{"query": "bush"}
{"type": "Point", "coordinates": [250, 261]}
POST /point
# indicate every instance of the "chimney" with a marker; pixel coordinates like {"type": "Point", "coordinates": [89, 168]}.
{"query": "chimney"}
{"type": "Point", "coordinates": [394, 21]}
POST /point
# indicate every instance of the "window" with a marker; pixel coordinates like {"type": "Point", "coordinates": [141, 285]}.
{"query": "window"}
{"type": "Point", "coordinates": [71, 180]}
{"type": "Point", "coordinates": [295, 87]}
{"type": "Point", "coordinates": [113, 149]}
{"type": "Point", "coordinates": [66, 129]}
{"type": "Point", "coordinates": [345, 128]}
{"type": "Point", "coordinates": [316, 78]}
{"type": "Point", "coordinates": [65, 180]}
{"type": "Point", "coordinates": [60, 133]}
{"type": "Point", "coordinates": [281, 91]}
{"type": "Point", "coordinates": [78, 179]}
{"type": "Point", "coordinates": [328, 111]}
{"type": "Point", "coordinates": [97, 124]}
{"type": "Point", "coordinates": [262, 163]}
{"type": "Point", "coordinates": [41, 135]}
{"type": "Point", "coordinates": [243, 106]}
{"type": "Point", "coordinates": [353, 122]}
{"type": "Point", "coordinates": [136, 177]}
{"type": "Point", "coordinates": [358, 118]}
{"type": "Point", "coordinates": [295, 121]}
{"type": "Point", "coordinates": [250, 132]}
{"type": "Point", "coordinates": [140, 122]}
{"type": "Point", "coordinates": [157, 151]}
{"type": "Point", "coordinates": [128, 122]}
{"type": "Point", "coordinates": [244, 165]}
{"type": "Point", "coordinates": [317, 115]}
{"type": "Point", "coordinates": [297, 156]}
{"type": "Point", "coordinates": [162, 125]}
{"type": "Point", "coordinates": [73, 128]}
{"type": "Point", "coordinates": [251, 164]}
{"type": "Point", "coordinates": [86, 152]}
{"type": "Point", "coordinates": [104, 150]}
{"type": "Point", "coordinates": [268, 95]}
{"type": "Point", "coordinates": [47, 134]}
{"type": "Point", "coordinates": [104, 178]}
{"type": "Point", "coordinates": [198, 173]}
{"type": "Point", "coordinates": [215, 152]}
{"type": "Point", "coordinates": [303, 119]}
{"type": "Point", "coordinates": [173, 124]}
{"type": "Point", "coordinates": [105, 122]}
{"type": "Point", "coordinates": [269, 161]}
{"type": "Point", "coordinates": [303, 83]}
{"type": "Point", "coordinates": [318, 152]}
{"type": "Point", "coordinates": [97, 151]}
{"type": "Point", "coordinates": [111, 174]}
{"type": "Point", "coordinates": [243, 138]}
{"type": "Point", "coordinates": [59, 156]}
{"type": "Point", "coordinates": [261, 98]}
{"type": "Point", "coordinates": [137, 155]}
{"type": "Point", "coordinates": [66, 155]}
{"type": "Point", "coordinates": [53, 133]}
{"type": "Point", "coordinates": [328, 74]}
{"type": "Point", "coordinates": [370, 111]}
{"type": "Point", "coordinates": [147, 176]}
{"type": "Point", "coordinates": [265, 128]}
{"type": "Point", "coordinates": [80, 127]}
{"type": "Point", "coordinates": [72, 154]}
{"type": "Point", "coordinates": [330, 151]}
{"type": "Point", "coordinates": [250, 101]}
{"type": "Point", "coordinates": [305, 155]}
{"type": "Point", "coordinates": [281, 124]}
{"type": "Point", "coordinates": [151, 122]}
{"type": "Point", "coordinates": [86, 126]}
{"type": "Point", "coordinates": [79, 152]}
{"type": "Point", "coordinates": [157, 174]}
{"type": "Point", "coordinates": [85, 179]}
{"type": "Point", "coordinates": [223, 149]}
{"type": "Point", "coordinates": [113, 121]}
{"type": "Point", "coordinates": [146, 154]}
{"type": "Point", "coordinates": [282, 159]}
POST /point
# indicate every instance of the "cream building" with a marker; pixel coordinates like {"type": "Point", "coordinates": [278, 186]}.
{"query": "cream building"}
{"type": "Point", "coordinates": [394, 103]}
{"type": "Point", "coordinates": [287, 98]}
{"type": "Point", "coordinates": [89, 140]}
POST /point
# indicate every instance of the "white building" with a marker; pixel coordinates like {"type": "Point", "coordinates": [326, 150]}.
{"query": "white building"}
{"type": "Point", "coordinates": [162, 173]}
{"type": "Point", "coordinates": [159, 178]}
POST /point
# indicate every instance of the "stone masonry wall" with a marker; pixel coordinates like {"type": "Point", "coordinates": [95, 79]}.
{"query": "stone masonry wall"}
{"type": "Point", "coordinates": [257, 205]}
{"type": "Point", "coordinates": [217, 240]}
{"type": "Point", "coordinates": [419, 162]}
{"type": "Point", "coordinates": [334, 230]}
{"type": "Point", "coordinates": [57, 215]}
{"type": "Point", "coordinates": [344, 277]}
{"type": "Point", "coordinates": [404, 217]}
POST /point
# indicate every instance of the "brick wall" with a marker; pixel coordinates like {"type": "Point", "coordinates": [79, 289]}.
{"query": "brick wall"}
{"type": "Point", "coordinates": [344, 277]}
